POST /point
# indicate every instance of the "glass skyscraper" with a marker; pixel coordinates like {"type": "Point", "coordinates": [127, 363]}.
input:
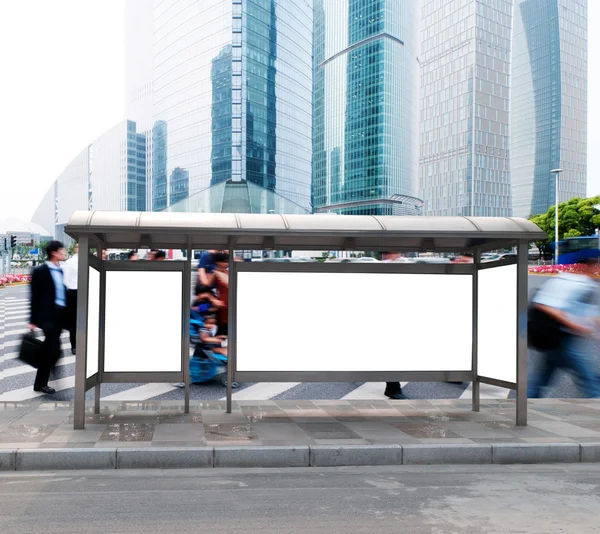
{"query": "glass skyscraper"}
{"type": "Point", "coordinates": [109, 174]}
{"type": "Point", "coordinates": [549, 103]}
{"type": "Point", "coordinates": [464, 131]}
{"type": "Point", "coordinates": [365, 109]}
{"type": "Point", "coordinates": [231, 99]}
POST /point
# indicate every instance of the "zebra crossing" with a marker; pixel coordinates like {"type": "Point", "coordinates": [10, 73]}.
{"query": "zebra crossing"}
{"type": "Point", "coordinates": [16, 379]}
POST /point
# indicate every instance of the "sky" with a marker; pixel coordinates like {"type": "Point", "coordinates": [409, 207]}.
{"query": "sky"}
{"type": "Point", "coordinates": [62, 65]}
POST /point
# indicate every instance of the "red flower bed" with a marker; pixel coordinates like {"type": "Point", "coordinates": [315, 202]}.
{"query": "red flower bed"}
{"type": "Point", "coordinates": [556, 269]}
{"type": "Point", "coordinates": [14, 279]}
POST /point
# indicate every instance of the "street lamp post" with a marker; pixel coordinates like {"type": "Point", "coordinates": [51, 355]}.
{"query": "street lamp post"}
{"type": "Point", "coordinates": [556, 173]}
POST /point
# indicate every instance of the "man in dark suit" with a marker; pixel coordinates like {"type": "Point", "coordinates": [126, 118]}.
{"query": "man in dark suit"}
{"type": "Point", "coordinates": [48, 311]}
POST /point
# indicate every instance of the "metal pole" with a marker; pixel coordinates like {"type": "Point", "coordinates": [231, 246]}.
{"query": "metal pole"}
{"type": "Point", "coordinates": [476, 389]}
{"type": "Point", "coordinates": [101, 335]}
{"type": "Point", "coordinates": [187, 281]}
{"type": "Point", "coordinates": [556, 224]}
{"type": "Point", "coordinates": [82, 313]}
{"type": "Point", "coordinates": [556, 173]}
{"type": "Point", "coordinates": [231, 328]}
{"type": "Point", "coordinates": [522, 303]}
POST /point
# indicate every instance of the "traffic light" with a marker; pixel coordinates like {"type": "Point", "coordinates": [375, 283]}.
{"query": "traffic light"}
{"type": "Point", "coordinates": [13, 241]}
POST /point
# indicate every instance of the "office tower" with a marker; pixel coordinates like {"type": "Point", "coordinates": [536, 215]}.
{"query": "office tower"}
{"type": "Point", "coordinates": [231, 102]}
{"type": "Point", "coordinates": [365, 110]}
{"type": "Point", "coordinates": [109, 174]}
{"type": "Point", "coordinates": [464, 128]}
{"type": "Point", "coordinates": [548, 103]}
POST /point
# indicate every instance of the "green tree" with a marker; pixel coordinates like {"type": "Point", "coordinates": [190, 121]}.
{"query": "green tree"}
{"type": "Point", "coordinates": [576, 217]}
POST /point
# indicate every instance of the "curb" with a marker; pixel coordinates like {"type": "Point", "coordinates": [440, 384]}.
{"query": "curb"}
{"type": "Point", "coordinates": [296, 456]}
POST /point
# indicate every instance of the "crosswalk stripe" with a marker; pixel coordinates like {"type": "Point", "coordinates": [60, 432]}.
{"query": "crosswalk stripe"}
{"type": "Point", "coordinates": [17, 342]}
{"type": "Point", "coordinates": [12, 355]}
{"type": "Point", "coordinates": [27, 393]}
{"type": "Point", "coordinates": [369, 390]}
{"type": "Point", "coordinates": [263, 391]}
{"type": "Point", "coordinates": [18, 320]}
{"type": "Point", "coordinates": [140, 393]}
{"type": "Point", "coordinates": [486, 391]}
{"type": "Point", "coordinates": [24, 369]}
{"type": "Point", "coordinates": [15, 332]}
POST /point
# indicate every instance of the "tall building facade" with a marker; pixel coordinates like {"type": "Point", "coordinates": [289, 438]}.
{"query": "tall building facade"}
{"type": "Point", "coordinates": [464, 160]}
{"type": "Point", "coordinates": [231, 98]}
{"type": "Point", "coordinates": [548, 103]}
{"type": "Point", "coordinates": [365, 108]}
{"type": "Point", "coordinates": [109, 174]}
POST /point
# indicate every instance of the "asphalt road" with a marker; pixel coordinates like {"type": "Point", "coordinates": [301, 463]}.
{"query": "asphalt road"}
{"type": "Point", "coordinates": [416, 500]}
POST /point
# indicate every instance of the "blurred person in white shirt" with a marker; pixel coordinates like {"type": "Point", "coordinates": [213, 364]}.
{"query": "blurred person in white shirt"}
{"type": "Point", "coordinates": [70, 279]}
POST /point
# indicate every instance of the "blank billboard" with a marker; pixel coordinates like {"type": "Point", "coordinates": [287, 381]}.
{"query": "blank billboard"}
{"type": "Point", "coordinates": [143, 321]}
{"type": "Point", "coordinates": [497, 323]}
{"type": "Point", "coordinates": [354, 322]}
{"type": "Point", "coordinates": [93, 323]}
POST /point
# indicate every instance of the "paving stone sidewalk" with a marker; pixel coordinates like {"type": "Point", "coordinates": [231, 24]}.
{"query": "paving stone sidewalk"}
{"type": "Point", "coordinates": [414, 431]}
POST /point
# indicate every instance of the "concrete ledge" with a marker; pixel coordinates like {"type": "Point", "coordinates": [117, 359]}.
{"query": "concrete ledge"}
{"type": "Point", "coordinates": [533, 453]}
{"type": "Point", "coordinates": [590, 452]}
{"type": "Point", "coordinates": [300, 456]}
{"type": "Point", "coordinates": [459, 453]}
{"type": "Point", "coordinates": [337, 455]}
{"type": "Point", "coordinates": [56, 459]}
{"type": "Point", "coordinates": [262, 456]}
{"type": "Point", "coordinates": [164, 457]}
{"type": "Point", "coordinates": [8, 460]}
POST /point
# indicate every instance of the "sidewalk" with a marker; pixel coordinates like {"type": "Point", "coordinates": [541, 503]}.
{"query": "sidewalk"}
{"type": "Point", "coordinates": [37, 435]}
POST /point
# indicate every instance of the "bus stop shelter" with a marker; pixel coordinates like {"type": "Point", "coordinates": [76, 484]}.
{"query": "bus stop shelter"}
{"type": "Point", "coordinates": [306, 321]}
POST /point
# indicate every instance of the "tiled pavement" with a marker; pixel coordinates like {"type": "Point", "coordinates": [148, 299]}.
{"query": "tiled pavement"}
{"type": "Point", "coordinates": [39, 425]}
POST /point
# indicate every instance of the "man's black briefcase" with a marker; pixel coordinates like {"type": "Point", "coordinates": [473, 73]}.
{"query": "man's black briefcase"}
{"type": "Point", "coordinates": [31, 349]}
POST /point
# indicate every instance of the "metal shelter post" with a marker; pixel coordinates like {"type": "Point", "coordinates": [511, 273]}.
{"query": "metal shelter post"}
{"type": "Point", "coordinates": [475, 392]}
{"type": "Point", "coordinates": [185, 334]}
{"type": "Point", "coordinates": [82, 313]}
{"type": "Point", "coordinates": [231, 341]}
{"type": "Point", "coordinates": [522, 303]}
{"type": "Point", "coordinates": [102, 322]}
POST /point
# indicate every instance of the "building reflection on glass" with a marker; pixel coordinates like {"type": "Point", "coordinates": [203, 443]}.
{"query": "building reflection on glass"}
{"type": "Point", "coordinates": [179, 184]}
{"type": "Point", "coordinates": [233, 89]}
{"type": "Point", "coordinates": [365, 106]}
{"type": "Point", "coordinates": [159, 166]}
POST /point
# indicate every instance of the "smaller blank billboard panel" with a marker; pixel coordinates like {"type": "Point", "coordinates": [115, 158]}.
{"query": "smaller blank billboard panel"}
{"type": "Point", "coordinates": [497, 323]}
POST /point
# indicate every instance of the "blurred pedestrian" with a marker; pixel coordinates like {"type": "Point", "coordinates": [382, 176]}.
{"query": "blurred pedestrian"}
{"type": "Point", "coordinates": [206, 268]}
{"type": "Point", "coordinates": [565, 315]}
{"type": "Point", "coordinates": [48, 305]}
{"type": "Point", "coordinates": [70, 276]}
{"type": "Point", "coordinates": [221, 282]}
{"type": "Point", "coordinates": [159, 255]}
{"type": "Point", "coordinates": [133, 255]}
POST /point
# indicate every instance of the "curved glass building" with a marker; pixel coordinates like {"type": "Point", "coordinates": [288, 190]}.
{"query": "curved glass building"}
{"type": "Point", "coordinates": [549, 103]}
{"type": "Point", "coordinates": [109, 174]}
{"type": "Point", "coordinates": [231, 98]}
{"type": "Point", "coordinates": [365, 111]}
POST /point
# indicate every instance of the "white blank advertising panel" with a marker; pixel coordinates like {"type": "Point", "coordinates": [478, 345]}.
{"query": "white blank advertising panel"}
{"type": "Point", "coordinates": [143, 321]}
{"type": "Point", "coordinates": [497, 323]}
{"type": "Point", "coordinates": [354, 322]}
{"type": "Point", "coordinates": [93, 323]}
